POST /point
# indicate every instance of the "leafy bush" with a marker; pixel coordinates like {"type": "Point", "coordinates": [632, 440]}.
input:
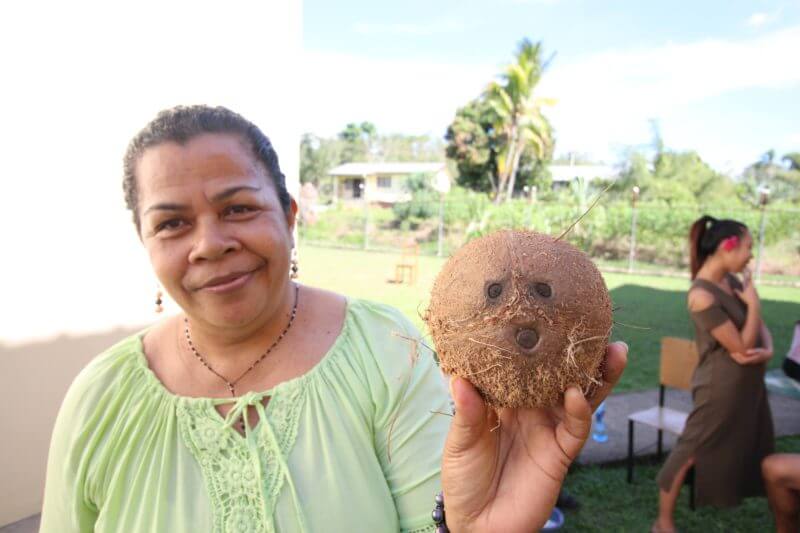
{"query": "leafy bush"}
{"type": "Point", "coordinates": [604, 233]}
{"type": "Point", "coordinates": [423, 204]}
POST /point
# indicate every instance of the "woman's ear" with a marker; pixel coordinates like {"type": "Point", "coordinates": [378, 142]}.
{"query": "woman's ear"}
{"type": "Point", "coordinates": [291, 217]}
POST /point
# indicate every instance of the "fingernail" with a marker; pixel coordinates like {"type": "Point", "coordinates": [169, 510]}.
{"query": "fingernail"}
{"type": "Point", "coordinates": [625, 344]}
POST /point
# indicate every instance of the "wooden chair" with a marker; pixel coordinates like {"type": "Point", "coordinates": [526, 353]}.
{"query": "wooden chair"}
{"type": "Point", "coordinates": [409, 262]}
{"type": "Point", "coordinates": [679, 358]}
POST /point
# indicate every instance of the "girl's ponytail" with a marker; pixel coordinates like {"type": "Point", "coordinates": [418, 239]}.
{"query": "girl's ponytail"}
{"type": "Point", "coordinates": [697, 256]}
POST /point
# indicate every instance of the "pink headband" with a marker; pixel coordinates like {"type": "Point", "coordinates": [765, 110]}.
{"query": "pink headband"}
{"type": "Point", "coordinates": [730, 243]}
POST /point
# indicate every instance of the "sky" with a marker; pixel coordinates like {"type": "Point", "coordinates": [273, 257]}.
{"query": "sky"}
{"type": "Point", "coordinates": [721, 77]}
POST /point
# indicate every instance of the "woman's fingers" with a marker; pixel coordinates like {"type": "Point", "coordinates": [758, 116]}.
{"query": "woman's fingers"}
{"type": "Point", "coordinates": [469, 422]}
{"type": "Point", "coordinates": [470, 455]}
{"type": "Point", "coordinates": [614, 365]}
{"type": "Point", "coordinates": [576, 420]}
{"type": "Point", "coordinates": [574, 428]}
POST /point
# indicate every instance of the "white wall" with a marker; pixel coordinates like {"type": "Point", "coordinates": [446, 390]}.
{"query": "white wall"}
{"type": "Point", "coordinates": [79, 80]}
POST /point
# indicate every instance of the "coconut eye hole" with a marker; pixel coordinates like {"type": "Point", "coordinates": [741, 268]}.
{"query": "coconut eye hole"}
{"type": "Point", "coordinates": [527, 338]}
{"type": "Point", "coordinates": [542, 289]}
{"type": "Point", "coordinates": [494, 290]}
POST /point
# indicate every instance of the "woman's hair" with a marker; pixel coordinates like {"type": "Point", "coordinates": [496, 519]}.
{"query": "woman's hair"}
{"type": "Point", "coordinates": [706, 234]}
{"type": "Point", "coordinates": [183, 123]}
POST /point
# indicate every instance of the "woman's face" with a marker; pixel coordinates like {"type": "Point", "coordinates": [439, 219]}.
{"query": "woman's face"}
{"type": "Point", "coordinates": [738, 258]}
{"type": "Point", "coordinates": [214, 229]}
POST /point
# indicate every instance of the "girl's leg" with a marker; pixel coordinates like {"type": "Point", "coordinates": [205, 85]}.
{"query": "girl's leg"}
{"type": "Point", "coordinates": [782, 479]}
{"type": "Point", "coordinates": [666, 501]}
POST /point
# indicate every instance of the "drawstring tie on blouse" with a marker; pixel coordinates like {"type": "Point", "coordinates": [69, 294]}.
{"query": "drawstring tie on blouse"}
{"type": "Point", "coordinates": [239, 410]}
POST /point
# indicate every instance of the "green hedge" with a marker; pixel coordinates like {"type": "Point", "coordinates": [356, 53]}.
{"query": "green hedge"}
{"type": "Point", "coordinates": [605, 232]}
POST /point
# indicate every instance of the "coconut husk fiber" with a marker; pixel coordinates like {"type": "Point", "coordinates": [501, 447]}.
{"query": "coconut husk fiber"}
{"type": "Point", "coordinates": [522, 316]}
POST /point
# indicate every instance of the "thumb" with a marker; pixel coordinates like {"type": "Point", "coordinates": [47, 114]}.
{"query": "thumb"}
{"type": "Point", "coordinates": [470, 420]}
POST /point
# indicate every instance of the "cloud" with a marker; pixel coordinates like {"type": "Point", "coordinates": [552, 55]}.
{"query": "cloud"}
{"type": "Point", "coordinates": [418, 29]}
{"type": "Point", "coordinates": [605, 99]}
{"type": "Point", "coordinates": [759, 19]}
{"type": "Point", "coordinates": [618, 91]}
{"type": "Point", "coordinates": [532, 2]}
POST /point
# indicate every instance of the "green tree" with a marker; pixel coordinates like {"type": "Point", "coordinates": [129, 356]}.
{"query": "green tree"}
{"type": "Point", "coordinates": [534, 172]}
{"type": "Point", "coordinates": [674, 177]}
{"type": "Point", "coordinates": [501, 141]}
{"type": "Point", "coordinates": [472, 143]}
{"type": "Point", "coordinates": [689, 171]}
{"type": "Point", "coordinates": [518, 116]}
{"type": "Point", "coordinates": [635, 172]}
{"type": "Point", "coordinates": [398, 147]}
{"type": "Point", "coordinates": [317, 157]}
{"type": "Point", "coordinates": [792, 160]}
{"type": "Point", "coordinates": [424, 201]}
{"type": "Point", "coordinates": [357, 140]}
{"type": "Point", "coordinates": [780, 175]}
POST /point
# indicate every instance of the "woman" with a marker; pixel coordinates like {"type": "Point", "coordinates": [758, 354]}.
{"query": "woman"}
{"type": "Point", "coordinates": [271, 406]}
{"type": "Point", "coordinates": [729, 430]}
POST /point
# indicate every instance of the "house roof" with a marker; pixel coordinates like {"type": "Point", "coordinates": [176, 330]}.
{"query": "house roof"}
{"type": "Point", "coordinates": [366, 169]}
{"type": "Point", "coordinates": [587, 172]}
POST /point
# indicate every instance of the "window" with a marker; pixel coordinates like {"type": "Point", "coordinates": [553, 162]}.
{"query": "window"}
{"type": "Point", "coordinates": [384, 182]}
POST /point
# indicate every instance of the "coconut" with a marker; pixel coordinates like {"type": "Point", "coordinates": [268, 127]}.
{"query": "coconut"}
{"type": "Point", "coordinates": [522, 316]}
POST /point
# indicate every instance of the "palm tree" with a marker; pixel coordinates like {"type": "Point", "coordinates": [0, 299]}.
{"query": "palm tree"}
{"type": "Point", "coordinates": [518, 115]}
{"type": "Point", "coordinates": [792, 160]}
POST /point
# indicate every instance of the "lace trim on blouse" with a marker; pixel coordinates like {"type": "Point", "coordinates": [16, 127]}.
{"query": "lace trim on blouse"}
{"type": "Point", "coordinates": [244, 474]}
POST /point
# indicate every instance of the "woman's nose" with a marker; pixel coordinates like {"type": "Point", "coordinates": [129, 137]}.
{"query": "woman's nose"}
{"type": "Point", "coordinates": [212, 241]}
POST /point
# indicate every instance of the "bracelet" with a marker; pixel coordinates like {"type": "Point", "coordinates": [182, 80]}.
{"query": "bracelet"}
{"type": "Point", "coordinates": [438, 514]}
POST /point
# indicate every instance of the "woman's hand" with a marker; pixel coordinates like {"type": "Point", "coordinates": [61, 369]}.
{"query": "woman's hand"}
{"type": "Point", "coordinates": [748, 293]}
{"type": "Point", "coordinates": [759, 355]}
{"type": "Point", "coordinates": [507, 477]}
{"type": "Point", "coordinates": [753, 356]}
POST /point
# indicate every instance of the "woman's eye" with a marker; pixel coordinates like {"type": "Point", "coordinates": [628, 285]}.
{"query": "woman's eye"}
{"type": "Point", "coordinates": [170, 225]}
{"type": "Point", "coordinates": [238, 210]}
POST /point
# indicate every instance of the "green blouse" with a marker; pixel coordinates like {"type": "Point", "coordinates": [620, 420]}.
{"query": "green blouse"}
{"type": "Point", "coordinates": [355, 444]}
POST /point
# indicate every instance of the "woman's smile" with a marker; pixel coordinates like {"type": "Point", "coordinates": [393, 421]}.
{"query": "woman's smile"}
{"type": "Point", "coordinates": [228, 283]}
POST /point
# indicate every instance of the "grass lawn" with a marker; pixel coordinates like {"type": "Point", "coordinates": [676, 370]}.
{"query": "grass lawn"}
{"type": "Point", "coordinates": [656, 304]}
{"type": "Point", "coordinates": [609, 503]}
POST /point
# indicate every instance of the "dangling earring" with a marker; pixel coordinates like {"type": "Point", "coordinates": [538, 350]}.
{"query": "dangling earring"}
{"type": "Point", "coordinates": [293, 268]}
{"type": "Point", "coordinates": [159, 301]}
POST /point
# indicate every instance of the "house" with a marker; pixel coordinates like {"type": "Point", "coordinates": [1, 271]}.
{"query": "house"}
{"type": "Point", "coordinates": [382, 183]}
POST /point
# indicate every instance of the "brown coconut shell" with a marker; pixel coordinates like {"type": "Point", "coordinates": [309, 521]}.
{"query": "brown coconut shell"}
{"type": "Point", "coordinates": [522, 316]}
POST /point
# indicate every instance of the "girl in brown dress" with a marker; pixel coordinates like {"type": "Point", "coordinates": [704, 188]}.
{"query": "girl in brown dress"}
{"type": "Point", "coordinates": [729, 430]}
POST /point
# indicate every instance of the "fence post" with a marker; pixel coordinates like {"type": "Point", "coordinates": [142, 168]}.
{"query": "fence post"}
{"type": "Point", "coordinates": [632, 253]}
{"type": "Point", "coordinates": [763, 197]}
{"type": "Point", "coordinates": [441, 225]}
{"type": "Point", "coordinates": [531, 193]}
{"type": "Point", "coordinates": [441, 184]}
{"type": "Point", "coordinates": [366, 216]}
